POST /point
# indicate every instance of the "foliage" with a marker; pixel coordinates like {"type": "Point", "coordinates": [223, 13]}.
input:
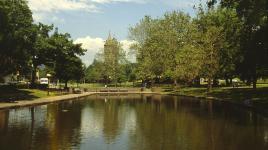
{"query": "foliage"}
{"type": "Point", "coordinates": [253, 41]}
{"type": "Point", "coordinates": [65, 60]}
{"type": "Point", "coordinates": [15, 36]}
{"type": "Point", "coordinates": [223, 40]}
{"type": "Point", "coordinates": [24, 45]}
{"type": "Point", "coordinates": [94, 72]}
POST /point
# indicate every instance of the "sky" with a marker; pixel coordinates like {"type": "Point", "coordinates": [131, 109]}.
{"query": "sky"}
{"type": "Point", "coordinates": [90, 21]}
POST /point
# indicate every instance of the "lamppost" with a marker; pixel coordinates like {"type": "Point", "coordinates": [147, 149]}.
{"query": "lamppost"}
{"type": "Point", "coordinates": [48, 76]}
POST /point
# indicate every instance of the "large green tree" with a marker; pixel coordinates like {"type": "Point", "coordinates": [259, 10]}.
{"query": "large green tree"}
{"type": "Point", "coordinates": [15, 35]}
{"type": "Point", "coordinates": [141, 33]}
{"type": "Point", "coordinates": [160, 45]}
{"type": "Point", "coordinates": [177, 37]}
{"type": "Point", "coordinates": [94, 72]}
{"type": "Point", "coordinates": [41, 49]}
{"type": "Point", "coordinates": [254, 38]}
{"type": "Point", "coordinates": [65, 58]}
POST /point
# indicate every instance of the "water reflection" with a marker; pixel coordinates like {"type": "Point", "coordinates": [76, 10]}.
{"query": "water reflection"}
{"type": "Point", "coordinates": [144, 122]}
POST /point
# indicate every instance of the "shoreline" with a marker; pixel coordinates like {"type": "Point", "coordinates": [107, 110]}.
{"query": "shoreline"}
{"type": "Point", "coordinates": [242, 105]}
{"type": "Point", "coordinates": [61, 98]}
{"type": "Point", "coordinates": [54, 99]}
{"type": "Point", "coordinates": [42, 101]}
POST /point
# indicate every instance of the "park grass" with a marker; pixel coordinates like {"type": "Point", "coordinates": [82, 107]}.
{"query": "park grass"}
{"type": "Point", "coordinates": [11, 93]}
{"type": "Point", "coordinates": [258, 97]}
{"type": "Point", "coordinates": [101, 85]}
{"type": "Point", "coordinates": [245, 94]}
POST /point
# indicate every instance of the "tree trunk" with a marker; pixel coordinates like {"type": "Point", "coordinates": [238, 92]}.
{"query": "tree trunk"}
{"type": "Point", "coordinates": [209, 87]}
{"type": "Point", "coordinates": [227, 82]}
{"type": "Point", "coordinates": [66, 84]}
{"type": "Point", "coordinates": [197, 82]}
{"type": "Point", "coordinates": [33, 80]}
{"type": "Point", "coordinates": [175, 83]}
{"type": "Point", "coordinates": [59, 84]}
{"type": "Point", "coordinates": [248, 82]}
{"type": "Point", "coordinates": [152, 83]}
{"type": "Point", "coordinates": [231, 81]}
{"type": "Point", "coordinates": [254, 83]}
{"type": "Point", "coordinates": [215, 82]}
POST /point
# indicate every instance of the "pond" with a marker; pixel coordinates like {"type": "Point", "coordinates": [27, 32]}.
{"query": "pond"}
{"type": "Point", "coordinates": [133, 122]}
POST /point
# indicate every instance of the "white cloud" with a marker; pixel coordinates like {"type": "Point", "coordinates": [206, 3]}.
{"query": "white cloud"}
{"type": "Point", "coordinates": [126, 46]}
{"type": "Point", "coordinates": [60, 5]}
{"type": "Point", "coordinates": [94, 45]}
{"type": "Point", "coordinates": [111, 1]}
{"type": "Point", "coordinates": [47, 9]}
{"type": "Point", "coordinates": [38, 17]}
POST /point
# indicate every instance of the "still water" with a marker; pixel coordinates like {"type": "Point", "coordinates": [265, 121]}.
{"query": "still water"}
{"type": "Point", "coordinates": [133, 122]}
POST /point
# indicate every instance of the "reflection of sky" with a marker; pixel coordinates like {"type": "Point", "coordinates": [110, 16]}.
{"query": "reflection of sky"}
{"type": "Point", "coordinates": [92, 128]}
{"type": "Point", "coordinates": [266, 137]}
{"type": "Point", "coordinates": [17, 117]}
{"type": "Point", "coordinates": [92, 123]}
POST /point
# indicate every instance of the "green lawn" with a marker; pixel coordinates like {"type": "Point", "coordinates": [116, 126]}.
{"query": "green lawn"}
{"type": "Point", "coordinates": [100, 85]}
{"type": "Point", "coordinates": [258, 97]}
{"type": "Point", "coordinates": [10, 93]}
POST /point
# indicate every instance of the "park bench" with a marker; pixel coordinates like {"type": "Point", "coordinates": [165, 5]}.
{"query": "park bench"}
{"type": "Point", "coordinates": [123, 90]}
{"type": "Point", "coordinates": [104, 90]}
{"type": "Point", "coordinates": [113, 90]}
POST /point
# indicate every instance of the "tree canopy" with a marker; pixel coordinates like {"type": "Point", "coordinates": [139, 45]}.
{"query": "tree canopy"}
{"type": "Point", "coordinates": [25, 45]}
{"type": "Point", "coordinates": [224, 40]}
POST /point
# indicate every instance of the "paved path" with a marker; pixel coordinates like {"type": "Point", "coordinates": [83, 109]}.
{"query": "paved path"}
{"type": "Point", "coordinates": [42, 101]}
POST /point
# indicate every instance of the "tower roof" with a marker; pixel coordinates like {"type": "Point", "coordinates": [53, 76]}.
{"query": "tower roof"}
{"type": "Point", "coordinates": [109, 36]}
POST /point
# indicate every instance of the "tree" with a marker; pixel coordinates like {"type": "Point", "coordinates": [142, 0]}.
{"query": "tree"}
{"type": "Point", "coordinates": [230, 52]}
{"type": "Point", "coordinates": [253, 41]}
{"type": "Point", "coordinates": [217, 43]}
{"type": "Point", "coordinates": [159, 43]}
{"type": "Point", "coordinates": [189, 62]}
{"type": "Point", "coordinates": [15, 35]}
{"type": "Point", "coordinates": [209, 40]}
{"type": "Point", "coordinates": [177, 37]}
{"type": "Point", "coordinates": [211, 44]}
{"type": "Point", "coordinates": [94, 72]}
{"type": "Point", "coordinates": [72, 69]}
{"type": "Point", "coordinates": [141, 33]}
{"type": "Point", "coordinates": [66, 63]}
{"type": "Point", "coordinates": [41, 48]}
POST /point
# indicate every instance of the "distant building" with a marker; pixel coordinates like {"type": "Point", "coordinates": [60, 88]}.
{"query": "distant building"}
{"type": "Point", "coordinates": [111, 58]}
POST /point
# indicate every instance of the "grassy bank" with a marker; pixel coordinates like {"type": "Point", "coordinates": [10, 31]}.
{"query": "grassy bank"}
{"type": "Point", "coordinates": [245, 95]}
{"type": "Point", "coordinates": [11, 93]}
